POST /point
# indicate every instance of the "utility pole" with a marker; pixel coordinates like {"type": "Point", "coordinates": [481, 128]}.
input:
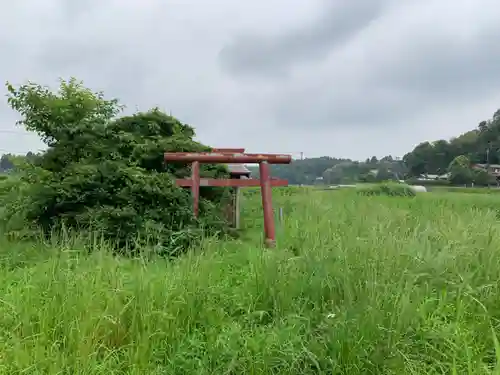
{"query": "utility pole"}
{"type": "Point", "coordinates": [301, 158]}
{"type": "Point", "coordinates": [488, 161]}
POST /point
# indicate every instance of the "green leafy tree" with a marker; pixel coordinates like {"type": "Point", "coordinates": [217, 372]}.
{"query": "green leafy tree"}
{"type": "Point", "coordinates": [6, 163]}
{"type": "Point", "coordinates": [418, 161]}
{"type": "Point", "coordinates": [345, 172]}
{"type": "Point", "coordinates": [482, 178]}
{"type": "Point", "coordinates": [304, 171]}
{"type": "Point", "coordinates": [480, 145]}
{"type": "Point", "coordinates": [460, 171]}
{"type": "Point", "coordinates": [106, 174]}
{"type": "Point", "coordinates": [368, 177]}
{"type": "Point", "coordinates": [385, 174]}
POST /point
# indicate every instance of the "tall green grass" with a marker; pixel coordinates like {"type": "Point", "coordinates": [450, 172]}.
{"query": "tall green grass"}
{"type": "Point", "coordinates": [356, 285]}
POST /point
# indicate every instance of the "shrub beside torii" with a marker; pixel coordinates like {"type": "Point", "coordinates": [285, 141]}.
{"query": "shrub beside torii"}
{"type": "Point", "coordinates": [106, 175]}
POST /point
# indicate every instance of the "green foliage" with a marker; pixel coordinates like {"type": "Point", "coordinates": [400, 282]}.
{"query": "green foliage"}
{"type": "Point", "coordinates": [357, 286]}
{"type": "Point", "coordinates": [482, 178]}
{"type": "Point", "coordinates": [302, 172]}
{"type": "Point", "coordinates": [480, 145]}
{"type": "Point", "coordinates": [385, 174]}
{"type": "Point", "coordinates": [368, 178]}
{"type": "Point", "coordinates": [388, 189]}
{"type": "Point", "coordinates": [460, 171]}
{"type": "Point", "coordinates": [10, 162]}
{"type": "Point", "coordinates": [327, 170]}
{"type": "Point", "coordinates": [5, 163]}
{"type": "Point", "coordinates": [106, 175]}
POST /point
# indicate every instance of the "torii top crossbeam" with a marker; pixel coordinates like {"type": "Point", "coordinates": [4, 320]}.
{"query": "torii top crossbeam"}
{"type": "Point", "coordinates": [223, 157]}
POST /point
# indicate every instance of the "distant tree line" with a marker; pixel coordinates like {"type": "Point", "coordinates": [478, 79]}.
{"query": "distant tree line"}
{"type": "Point", "coordinates": [479, 146]}
{"type": "Point", "coordinates": [454, 158]}
{"type": "Point", "coordinates": [8, 162]}
{"type": "Point", "coordinates": [328, 170]}
{"type": "Point", "coordinates": [469, 158]}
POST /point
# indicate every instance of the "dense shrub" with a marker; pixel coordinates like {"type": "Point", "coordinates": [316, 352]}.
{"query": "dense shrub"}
{"type": "Point", "coordinates": [106, 175]}
{"type": "Point", "coordinates": [388, 189]}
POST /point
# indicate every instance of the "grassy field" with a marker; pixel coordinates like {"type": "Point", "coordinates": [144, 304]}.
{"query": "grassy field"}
{"type": "Point", "coordinates": [357, 285]}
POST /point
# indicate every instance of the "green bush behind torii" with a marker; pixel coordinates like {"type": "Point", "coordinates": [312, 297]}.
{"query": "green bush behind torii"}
{"type": "Point", "coordinates": [106, 174]}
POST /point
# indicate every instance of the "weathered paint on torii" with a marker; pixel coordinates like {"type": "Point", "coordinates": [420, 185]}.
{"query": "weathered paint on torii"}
{"type": "Point", "coordinates": [234, 156]}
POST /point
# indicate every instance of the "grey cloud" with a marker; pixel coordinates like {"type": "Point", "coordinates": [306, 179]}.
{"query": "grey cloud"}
{"type": "Point", "coordinates": [443, 66]}
{"type": "Point", "coordinates": [273, 55]}
{"type": "Point", "coordinates": [352, 78]}
{"type": "Point", "coordinates": [375, 108]}
{"type": "Point", "coordinates": [418, 79]}
{"type": "Point", "coordinates": [73, 11]}
{"type": "Point", "coordinates": [395, 70]}
{"type": "Point", "coordinates": [105, 68]}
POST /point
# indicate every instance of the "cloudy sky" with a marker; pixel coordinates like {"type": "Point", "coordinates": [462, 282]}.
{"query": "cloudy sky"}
{"type": "Point", "coordinates": [345, 78]}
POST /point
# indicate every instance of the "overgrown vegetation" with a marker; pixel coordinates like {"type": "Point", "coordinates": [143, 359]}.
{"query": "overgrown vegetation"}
{"type": "Point", "coordinates": [356, 286]}
{"type": "Point", "coordinates": [363, 281]}
{"type": "Point", "coordinates": [104, 174]}
{"type": "Point", "coordinates": [387, 188]}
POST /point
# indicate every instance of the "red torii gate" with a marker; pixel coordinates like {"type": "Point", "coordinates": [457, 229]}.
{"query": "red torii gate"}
{"type": "Point", "coordinates": [234, 156]}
